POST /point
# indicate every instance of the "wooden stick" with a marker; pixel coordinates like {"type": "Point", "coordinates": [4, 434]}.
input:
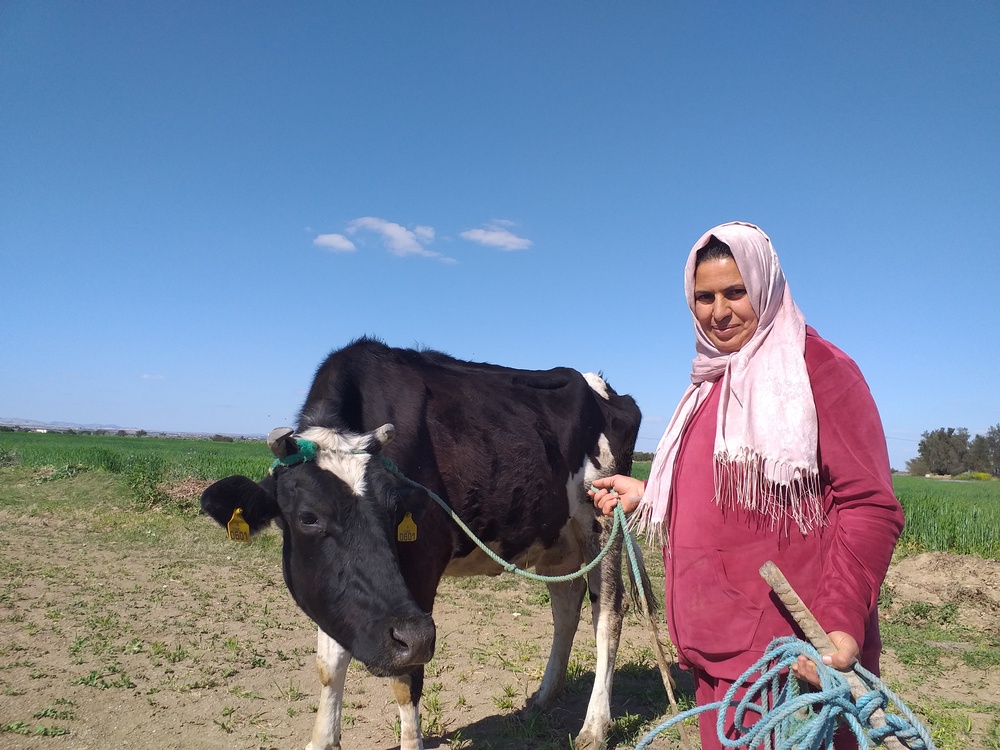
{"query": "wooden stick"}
{"type": "Point", "coordinates": [631, 549]}
{"type": "Point", "coordinates": [818, 637]}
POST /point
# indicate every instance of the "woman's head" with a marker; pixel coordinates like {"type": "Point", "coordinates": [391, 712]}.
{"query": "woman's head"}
{"type": "Point", "coordinates": [721, 304]}
{"type": "Point", "coordinates": [734, 286]}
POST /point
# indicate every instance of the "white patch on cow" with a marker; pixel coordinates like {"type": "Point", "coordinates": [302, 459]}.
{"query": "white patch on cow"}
{"type": "Point", "coordinates": [599, 708]}
{"type": "Point", "coordinates": [605, 461]}
{"type": "Point", "coordinates": [409, 715]}
{"type": "Point", "coordinates": [565, 598]}
{"type": "Point", "coordinates": [596, 382]}
{"type": "Point", "coordinates": [332, 661]}
{"type": "Point", "coordinates": [576, 490]}
{"type": "Point", "coordinates": [343, 454]}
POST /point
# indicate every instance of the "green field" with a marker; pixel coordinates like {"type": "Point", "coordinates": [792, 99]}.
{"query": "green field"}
{"type": "Point", "coordinates": [111, 582]}
{"type": "Point", "coordinates": [948, 516]}
{"type": "Point", "coordinates": [941, 516]}
{"type": "Point", "coordinates": [174, 458]}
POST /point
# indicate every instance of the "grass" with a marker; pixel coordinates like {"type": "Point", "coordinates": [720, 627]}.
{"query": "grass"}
{"type": "Point", "coordinates": [949, 516]}
{"type": "Point", "coordinates": [144, 465]}
{"type": "Point", "coordinates": [958, 517]}
{"type": "Point", "coordinates": [228, 642]}
{"type": "Point", "coordinates": [127, 591]}
{"type": "Point", "coordinates": [941, 516]}
{"type": "Point", "coordinates": [175, 457]}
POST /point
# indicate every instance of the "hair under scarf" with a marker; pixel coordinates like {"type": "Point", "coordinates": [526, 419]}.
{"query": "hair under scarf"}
{"type": "Point", "coordinates": [766, 437]}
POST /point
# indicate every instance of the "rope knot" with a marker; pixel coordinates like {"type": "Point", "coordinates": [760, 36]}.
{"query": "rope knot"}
{"type": "Point", "coordinates": [869, 703]}
{"type": "Point", "coordinates": [901, 729]}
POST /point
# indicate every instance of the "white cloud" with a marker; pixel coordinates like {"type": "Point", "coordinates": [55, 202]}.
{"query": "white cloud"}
{"type": "Point", "coordinates": [336, 243]}
{"type": "Point", "coordinates": [398, 239]}
{"type": "Point", "coordinates": [495, 235]}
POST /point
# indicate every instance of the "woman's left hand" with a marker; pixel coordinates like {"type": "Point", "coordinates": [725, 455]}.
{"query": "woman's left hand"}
{"type": "Point", "coordinates": [843, 658]}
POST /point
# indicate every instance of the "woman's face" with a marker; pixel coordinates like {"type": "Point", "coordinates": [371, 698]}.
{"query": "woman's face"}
{"type": "Point", "coordinates": [721, 305]}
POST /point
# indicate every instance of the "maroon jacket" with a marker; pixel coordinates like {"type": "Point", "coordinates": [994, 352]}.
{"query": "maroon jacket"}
{"type": "Point", "coordinates": [721, 614]}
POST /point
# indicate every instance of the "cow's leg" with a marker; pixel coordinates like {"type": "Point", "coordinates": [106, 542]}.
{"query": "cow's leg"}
{"type": "Point", "coordinates": [607, 594]}
{"type": "Point", "coordinates": [332, 661]}
{"type": "Point", "coordinates": [567, 598]}
{"type": "Point", "coordinates": [407, 690]}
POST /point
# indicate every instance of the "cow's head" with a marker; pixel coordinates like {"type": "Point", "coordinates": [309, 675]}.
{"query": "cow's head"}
{"type": "Point", "coordinates": [338, 508]}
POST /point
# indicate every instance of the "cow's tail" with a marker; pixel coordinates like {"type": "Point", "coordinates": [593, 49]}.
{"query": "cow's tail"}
{"type": "Point", "coordinates": [640, 590]}
{"type": "Point", "coordinates": [647, 605]}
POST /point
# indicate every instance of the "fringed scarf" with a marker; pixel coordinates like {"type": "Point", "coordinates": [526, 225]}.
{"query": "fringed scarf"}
{"type": "Point", "coordinates": [765, 457]}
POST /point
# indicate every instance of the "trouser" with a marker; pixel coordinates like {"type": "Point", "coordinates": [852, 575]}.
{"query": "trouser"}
{"type": "Point", "coordinates": [709, 689]}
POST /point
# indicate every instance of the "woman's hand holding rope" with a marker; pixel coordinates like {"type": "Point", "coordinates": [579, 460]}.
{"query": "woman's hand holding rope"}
{"type": "Point", "coordinates": [609, 492]}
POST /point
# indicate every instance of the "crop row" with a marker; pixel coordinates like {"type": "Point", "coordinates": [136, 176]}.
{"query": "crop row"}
{"type": "Point", "coordinates": [958, 517]}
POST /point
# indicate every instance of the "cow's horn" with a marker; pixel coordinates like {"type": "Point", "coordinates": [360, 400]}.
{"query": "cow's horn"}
{"type": "Point", "coordinates": [281, 442]}
{"type": "Point", "coordinates": [384, 434]}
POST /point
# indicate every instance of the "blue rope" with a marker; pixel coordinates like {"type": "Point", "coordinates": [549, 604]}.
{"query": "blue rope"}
{"type": "Point", "coordinates": [619, 523]}
{"type": "Point", "coordinates": [806, 721]}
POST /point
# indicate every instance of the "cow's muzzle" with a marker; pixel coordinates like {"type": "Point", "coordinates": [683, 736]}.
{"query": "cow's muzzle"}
{"type": "Point", "coordinates": [408, 643]}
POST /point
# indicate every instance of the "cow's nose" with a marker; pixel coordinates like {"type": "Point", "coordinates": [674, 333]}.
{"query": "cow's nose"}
{"type": "Point", "coordinates": [414, 641]}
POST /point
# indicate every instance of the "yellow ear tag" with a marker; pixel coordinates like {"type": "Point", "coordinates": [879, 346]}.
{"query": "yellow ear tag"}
{"type": "Point", "coordinates": [407, 530]}
{"type": "Point", "coordinates": [237, 528]}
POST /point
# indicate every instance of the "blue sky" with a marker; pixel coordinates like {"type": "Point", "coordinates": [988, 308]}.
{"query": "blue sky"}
{"type": "Point", "coordinates": [198, 201]}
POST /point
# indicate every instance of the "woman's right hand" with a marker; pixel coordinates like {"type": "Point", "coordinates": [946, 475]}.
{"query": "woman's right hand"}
{"type": "Point", "coordinates": [618, 489]}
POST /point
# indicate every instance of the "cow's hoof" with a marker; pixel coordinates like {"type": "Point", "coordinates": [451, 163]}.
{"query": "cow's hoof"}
{"type": "Point", "coordinates": [311, 746]}
{"type": "Point", "coordinates": [541, 701]}
{"type": "Point", "coordinates": [588, 741]}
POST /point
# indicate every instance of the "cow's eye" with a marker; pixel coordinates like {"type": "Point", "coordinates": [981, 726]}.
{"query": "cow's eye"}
{"type": "Point", "coordinates": [306, 518]}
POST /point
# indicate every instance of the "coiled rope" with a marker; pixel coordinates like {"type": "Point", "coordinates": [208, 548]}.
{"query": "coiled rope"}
{"type": "Point", "coordinates": [806, 721]}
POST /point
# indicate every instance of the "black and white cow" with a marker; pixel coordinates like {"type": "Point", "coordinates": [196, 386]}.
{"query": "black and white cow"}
{"type": "Point", "coordinates": [511, 451]}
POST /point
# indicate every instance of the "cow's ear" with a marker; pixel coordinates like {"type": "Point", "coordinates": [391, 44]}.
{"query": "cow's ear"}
{"type": "Point", "coordinates": [412, 500]}
{"type": "Point", "coordinates": [258, 501]}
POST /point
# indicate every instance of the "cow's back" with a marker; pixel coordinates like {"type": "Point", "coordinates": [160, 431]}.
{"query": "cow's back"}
{"type": "Point", "coordinates": [498, 444]}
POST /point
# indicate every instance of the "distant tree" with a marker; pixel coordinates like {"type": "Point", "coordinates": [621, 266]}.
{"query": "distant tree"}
{"type": "Point", "coordinates": [121, 433]}
{"type": "Point", "coordinates": [222, 438]}
{"type": "Point", "coordinates": [917, 467]}
{"type": "Point", "coordinates": [978, 457]}
{"type": "Point", "coordinates": [944, 450]}
{"type": "Point", "coordinates": [141, 433]}
{"type": "Point", "coordinates": [992, 440]}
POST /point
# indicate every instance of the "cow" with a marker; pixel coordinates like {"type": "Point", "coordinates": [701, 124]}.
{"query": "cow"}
{"type": "Point", "coordinates": [365, 543]}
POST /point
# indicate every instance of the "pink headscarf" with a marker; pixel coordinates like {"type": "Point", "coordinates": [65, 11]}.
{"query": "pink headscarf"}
{"type": "Point", "coordinates": [765, 457]}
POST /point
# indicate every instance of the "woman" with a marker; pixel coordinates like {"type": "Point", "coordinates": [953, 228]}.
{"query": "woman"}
{"type": "Point", "coordinates": [775, 452]}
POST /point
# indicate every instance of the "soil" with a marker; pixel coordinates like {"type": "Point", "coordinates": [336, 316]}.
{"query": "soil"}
{"type": "Point", "coordinates": [156, 638]}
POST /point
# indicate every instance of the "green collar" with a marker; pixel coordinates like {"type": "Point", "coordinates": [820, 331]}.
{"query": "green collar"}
{"type": "Point", "coordinates": [306, 452]}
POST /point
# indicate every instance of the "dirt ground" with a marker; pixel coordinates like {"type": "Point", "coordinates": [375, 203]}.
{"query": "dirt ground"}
{"type": "Point", "coordinates": [154, 638]}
